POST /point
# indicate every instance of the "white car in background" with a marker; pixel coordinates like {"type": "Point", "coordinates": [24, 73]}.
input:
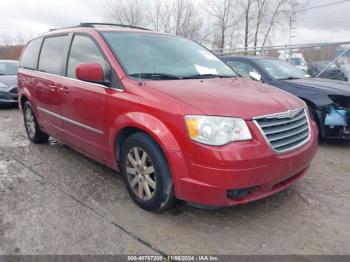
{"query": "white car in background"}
{"type": "Point", "coordinates": [299, 62]}
{"type": "Point", "coordinates": [297, 59]}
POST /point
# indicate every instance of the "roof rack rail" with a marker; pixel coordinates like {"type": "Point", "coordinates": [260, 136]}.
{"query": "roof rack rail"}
{"type": "Point", "coordinates": [110, 24]}
{"type": "Point", "coordinates": [68, 27]}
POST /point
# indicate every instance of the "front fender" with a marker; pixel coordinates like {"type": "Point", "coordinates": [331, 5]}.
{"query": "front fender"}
{"type": "Point", "coordinates": [316, 96]}
{"type": "Point", "coordinates": [149, 124]}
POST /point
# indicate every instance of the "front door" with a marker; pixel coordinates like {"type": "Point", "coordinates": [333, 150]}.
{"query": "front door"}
{"type": "Point", "coordinates": [84, 108]}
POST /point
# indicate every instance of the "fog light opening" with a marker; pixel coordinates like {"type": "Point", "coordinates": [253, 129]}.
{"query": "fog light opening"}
{"type": "Point", "coordinates": [240, 193]}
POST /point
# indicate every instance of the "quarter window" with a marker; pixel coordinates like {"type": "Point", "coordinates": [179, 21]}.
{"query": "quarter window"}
{"type": "Point", "coordinates": [30, 55]}
{"type": "Point", "coordinates": [83, 50]}
{"type": "Point", "coordinates": [52, 55]}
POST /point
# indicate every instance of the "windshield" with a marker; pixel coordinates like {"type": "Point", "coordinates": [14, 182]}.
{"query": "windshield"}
{"type": "Point", "coordinates": [297, 61]}
{"type": "Point", "coordinates": [280, 70]}
{"type": "Point", "coordinates": [8, 68]}
{"type": "Point", "coordinates": [159, 57]}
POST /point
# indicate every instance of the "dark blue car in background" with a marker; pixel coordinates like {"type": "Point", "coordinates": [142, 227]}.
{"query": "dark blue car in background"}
{"type": "Point", "coordinates": [8, 82]}
{"type": "Point", "coordinates": [328, 100]}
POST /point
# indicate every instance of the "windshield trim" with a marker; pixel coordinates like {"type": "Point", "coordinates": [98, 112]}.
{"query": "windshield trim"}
{"type": "Point", "coordinates": [127, 75]}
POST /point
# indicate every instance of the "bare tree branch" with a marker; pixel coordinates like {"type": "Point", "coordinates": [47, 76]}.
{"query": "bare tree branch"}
{"type": "Point", "coordinates": [222, 12]}
{"type": "Point", "coordinates": [130, 12]}
{"type": "Point", "coordinates": [277, 10]}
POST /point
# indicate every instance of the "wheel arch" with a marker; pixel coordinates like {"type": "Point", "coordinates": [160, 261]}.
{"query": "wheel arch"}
{"type": "Point", "coordinates": [131, 123]}
{"type": "Point", "coordinates": [317, 115]}
{"type": "Point", "coordinates": [24, 97]}
{"type": "Point", "coordinates": [22, 101]}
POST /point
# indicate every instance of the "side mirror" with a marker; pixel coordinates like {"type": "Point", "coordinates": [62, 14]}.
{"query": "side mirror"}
{"type": "Point", "coordinates": [255, 76]}
{"type": "Point", "coordinates": [90, 72]}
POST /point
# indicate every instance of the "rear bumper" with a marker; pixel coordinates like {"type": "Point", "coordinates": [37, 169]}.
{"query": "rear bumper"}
{"type": "Point", "coordinates": [247, 165]}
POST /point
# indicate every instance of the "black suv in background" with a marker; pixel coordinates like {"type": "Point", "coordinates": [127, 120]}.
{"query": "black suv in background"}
{"type": "Point", "coordinates": [335, 72]}
{"type": "Point", "coordinates": [328, 100]}
{"type": "Point", "coordinates": [8, 82]}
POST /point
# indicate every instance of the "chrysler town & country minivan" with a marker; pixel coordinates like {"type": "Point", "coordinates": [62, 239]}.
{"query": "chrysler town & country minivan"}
{"type": "Point", "coordinates": [166, 113]}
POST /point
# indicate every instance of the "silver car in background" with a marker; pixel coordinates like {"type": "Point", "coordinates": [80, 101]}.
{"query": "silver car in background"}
{"type": "Point", "coordinates": [8, 82]}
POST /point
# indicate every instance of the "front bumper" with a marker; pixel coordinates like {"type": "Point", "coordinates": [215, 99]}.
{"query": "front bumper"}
{"type": "Point", "coordinates": [208, 175]}
{"type": "Point", "coordinates": [9, 96]}
{"type": "Point", "coordinates": [338, 132]}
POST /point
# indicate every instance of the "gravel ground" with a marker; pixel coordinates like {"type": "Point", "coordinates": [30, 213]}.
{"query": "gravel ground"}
{"type": "Point", "coordinates": [56, 201]}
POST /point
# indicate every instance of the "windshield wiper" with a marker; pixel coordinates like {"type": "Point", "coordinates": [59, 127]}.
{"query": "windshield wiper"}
{"type": "Point", "coordinates": [290, 78]}
{"type": "Point", "coordinates": [199, 76]}
{"type": "Point", "coordinates": [155, 76]}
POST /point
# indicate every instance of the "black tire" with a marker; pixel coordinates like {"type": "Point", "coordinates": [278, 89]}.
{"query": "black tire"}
{"type": "Point", "coordinates": [163, 195]}
{"type": "Point", "coordinates": [316, 119]}
{"type": "Point", "coordinates": [33, 130]}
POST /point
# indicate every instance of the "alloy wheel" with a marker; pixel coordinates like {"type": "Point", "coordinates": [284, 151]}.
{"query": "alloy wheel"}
{"type": "Point", "coordinates": [30, 122]}
{"type": "Point", "coordinates": [140, 173]}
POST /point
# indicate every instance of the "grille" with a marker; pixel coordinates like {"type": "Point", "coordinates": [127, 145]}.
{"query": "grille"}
{"type": "Point", "coordinates": [285, 131]}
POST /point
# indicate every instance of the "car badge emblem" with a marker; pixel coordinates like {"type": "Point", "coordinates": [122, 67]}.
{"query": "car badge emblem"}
{"type": "Point", "coordinates": [291, 114]}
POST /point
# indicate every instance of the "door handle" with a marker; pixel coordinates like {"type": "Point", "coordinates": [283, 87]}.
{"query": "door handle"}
{"type": "Point", "coordinates": [53, 87]}
{"type": "Point", "coordinates": [65, 90]}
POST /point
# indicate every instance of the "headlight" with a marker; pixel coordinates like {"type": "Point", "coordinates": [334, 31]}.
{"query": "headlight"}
{"type": "Point", "coordinates": [3, 85]}
{"type": "Point", "coordinates": [217, 131]}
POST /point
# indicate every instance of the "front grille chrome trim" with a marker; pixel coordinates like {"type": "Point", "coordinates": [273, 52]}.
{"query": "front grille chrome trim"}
{"type": "Point", "coordinates": [285, 132]}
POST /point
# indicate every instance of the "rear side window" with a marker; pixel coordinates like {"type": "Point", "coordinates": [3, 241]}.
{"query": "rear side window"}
{"type": "Point", "coordinates": [84, 50]}
{"type": "Point", "coordinates": [52, 55]}
{"type": "Point", "coordinates": [30, 55]}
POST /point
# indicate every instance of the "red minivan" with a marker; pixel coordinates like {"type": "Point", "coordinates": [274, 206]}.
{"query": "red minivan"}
{"type": "Point", "coordinates": [166, 113]}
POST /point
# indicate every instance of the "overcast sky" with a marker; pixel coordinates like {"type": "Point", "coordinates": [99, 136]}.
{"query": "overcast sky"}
{"type": "Point", "coordinates": [22, 19]}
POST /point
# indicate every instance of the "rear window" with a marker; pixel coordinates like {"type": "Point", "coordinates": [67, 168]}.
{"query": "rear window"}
{"type": "Point", "coordinates": [30, 55]}
{"type": "Point", "coordinates": [52, 55]}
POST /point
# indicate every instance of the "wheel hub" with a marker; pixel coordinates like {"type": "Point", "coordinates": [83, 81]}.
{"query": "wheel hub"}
{"type": "Point", "coordinates": [30, 123]}
{"type": "Point", "coordinates": [140, 173]}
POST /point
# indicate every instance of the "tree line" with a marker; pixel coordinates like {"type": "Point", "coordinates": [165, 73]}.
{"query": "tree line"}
{"type": "Point", "coordinates": [215, 23]}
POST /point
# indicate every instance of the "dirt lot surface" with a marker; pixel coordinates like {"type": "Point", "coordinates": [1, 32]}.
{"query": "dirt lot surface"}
{"type": "Point", "coordinates": [55, 201]}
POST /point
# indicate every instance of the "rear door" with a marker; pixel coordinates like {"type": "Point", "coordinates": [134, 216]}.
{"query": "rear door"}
{"type": "Point", "coordinates": [84, 102]}
{"type": "Point", "coordinates": [27, 70]}
{"type": "Point", "coordinates": [48, 83]}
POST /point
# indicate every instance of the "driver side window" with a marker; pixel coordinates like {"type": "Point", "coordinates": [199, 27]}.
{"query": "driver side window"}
{"type": "Point", "coordinates": [241, 67]}
{"type": "Point", "coordinates": [84, 50]}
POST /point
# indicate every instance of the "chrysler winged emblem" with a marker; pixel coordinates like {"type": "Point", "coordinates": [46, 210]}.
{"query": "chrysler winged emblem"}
{"type": "Point", "coordinates": [291, 114]}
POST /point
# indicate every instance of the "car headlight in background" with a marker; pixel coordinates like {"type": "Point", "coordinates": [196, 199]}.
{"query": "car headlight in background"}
{"type": "Point", "coordinates": [3, 85]}
{"type": "Point", "coordinates": [217, 131]}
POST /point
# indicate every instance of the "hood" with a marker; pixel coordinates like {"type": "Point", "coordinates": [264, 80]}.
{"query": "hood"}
{"type": "Point", "coordinates": [330, 87]}
{"type": "Point", "coordinates": [234, 97]}
{"type": "Point", "coordinates": [10, 80]}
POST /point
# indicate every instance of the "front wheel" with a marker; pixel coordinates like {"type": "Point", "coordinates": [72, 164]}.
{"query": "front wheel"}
{"type": "Point", "coordinates": [146, 173]}
{"type": "Point", "coordinates": [33, 130]}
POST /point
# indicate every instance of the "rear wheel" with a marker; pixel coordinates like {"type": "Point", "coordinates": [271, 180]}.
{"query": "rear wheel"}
{"type": "Point", "coordinates": [146, 173]}
{"type": "Point", "coordinates": [33, 130]}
